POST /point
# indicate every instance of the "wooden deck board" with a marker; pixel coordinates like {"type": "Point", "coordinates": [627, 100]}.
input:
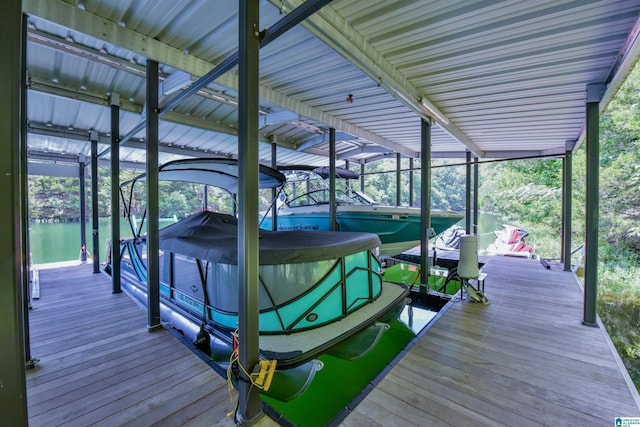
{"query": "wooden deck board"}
{"type": "Point", "coordinates": [86, 375]}
{"type": "Point", "coordinates": [524, 359]}
{"type": "Point", "coordinates": [500, 394]}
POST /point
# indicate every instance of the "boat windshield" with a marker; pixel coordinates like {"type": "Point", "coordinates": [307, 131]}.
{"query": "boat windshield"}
{"type": "Point", "coordinates": [306, 188]}
{"type": "Point", "coordinates": [362, 198]}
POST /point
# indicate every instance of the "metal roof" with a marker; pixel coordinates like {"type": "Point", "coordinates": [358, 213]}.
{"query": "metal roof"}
{"type": "Point", "coordinates": [500, 78]}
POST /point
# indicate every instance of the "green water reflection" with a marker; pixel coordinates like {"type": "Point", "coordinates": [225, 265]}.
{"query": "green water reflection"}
{"type": "Point", "coordinates": [55, 242]}
{"type": "Point", "coordinates": [340, 381]}
{"type": "Point", "coordinates": [60, 241]}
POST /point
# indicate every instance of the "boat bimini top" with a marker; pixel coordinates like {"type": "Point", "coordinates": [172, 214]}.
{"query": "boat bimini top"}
{"type": "Point", "coordinates": [221, 172]}
{"type": "Point", "coordinates": [218, 172]}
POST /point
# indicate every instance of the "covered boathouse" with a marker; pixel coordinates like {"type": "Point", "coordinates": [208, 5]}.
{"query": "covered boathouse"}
{"type": "Point", "coordinates": [139, 83]}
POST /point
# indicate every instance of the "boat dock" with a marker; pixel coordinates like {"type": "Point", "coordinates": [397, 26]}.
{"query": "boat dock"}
{"type": "Point", "coordinates": [98, 365]}
{"type": "Point", "coordinates": [524, 359]}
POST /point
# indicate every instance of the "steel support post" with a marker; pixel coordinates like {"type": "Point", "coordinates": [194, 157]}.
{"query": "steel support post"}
{"type": "Point", "coordinates": [249, 411]}
{"type": "Point", "coordinates": [13, 400]}
{"type": "Point", "coordinates": [115, 193]}
{"type": "Point", "coordinates": [567, 183]}
{"type": "Point", "coordinates": [205, 197]}
{"type": "Point", "coordinates": [411, 182]}
{"type": "Point", "coordinates": [467, 193]}
{"type": "Point", "coordinates": [398, 161]}
{"type": "Point", "coordinates": [476, 201]}
{"type": "Point", "coordinates": [594, 94]}
{"type": "Point", "coordinates": [83, 212]}
{"type": "Point", "coordinates": [153, 211]}
{"type": "Point", "coordinates": [346, 166]}
{"type": "Point", "coordinates": [362, 177]}
{"type": "Point", "coordinates": [425, 202]}
{"type": "Point", "coordinates": [274, 191]}
{"type": "Point", "coordinates": [25, 252]}
{"type": "Point", "coordinates": [94, 201]}
{"type": "Point", "coordinates": [332, 179]}
{"type": "Point", "coordinates": [562, 202]}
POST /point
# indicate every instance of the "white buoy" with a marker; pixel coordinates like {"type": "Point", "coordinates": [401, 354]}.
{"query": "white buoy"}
{"type": "Point", "coordinates": [468, 264]}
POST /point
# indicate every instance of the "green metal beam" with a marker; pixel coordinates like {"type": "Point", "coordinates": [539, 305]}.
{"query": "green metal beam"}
{"type": "Point", "coordinates": [115, 194]}
{"type": "Point", "coordinates": [467, 193]}
{"type": "Point", "coordinates": [476, 182]}
{"type": "Point", "coordinates": [398, 175]}
{"type": "Point", "coordinates": [332, 179]}
{"type": "Point", "coordinates": [24, 208]}
{"type": "Point", "coordinates": [567, 184]}
{"type": "Point", "coordinates": [411, 181]}
{"type": "Point", "coordinates": [83, 212]}
{"type": "Point", "coordinates": [425, 202]}
{"type": "Point", "coordinates": [13, 395]}
{"type": "Point", "coordinates": [274, 191]}
{"type": "Point", "coordinates": [153, 210]}
{"type": "Point", "coordinates": [249, 411]}
{"type": "Point", "coordinates": [594, 94]}
{"type": "Point", "coordinates": [93, 137]}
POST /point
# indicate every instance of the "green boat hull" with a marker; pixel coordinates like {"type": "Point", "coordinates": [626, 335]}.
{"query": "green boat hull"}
{"type": "Point", "coordinates": [397, 227]}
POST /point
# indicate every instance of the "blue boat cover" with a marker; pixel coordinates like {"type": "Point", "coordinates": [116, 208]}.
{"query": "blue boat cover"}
{"type": "Point", "coordinates": [214, 237]}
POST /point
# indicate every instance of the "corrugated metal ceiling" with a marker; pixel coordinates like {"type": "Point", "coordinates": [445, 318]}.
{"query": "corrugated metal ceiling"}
{"type": "Point", "coordinates": [504, 78]}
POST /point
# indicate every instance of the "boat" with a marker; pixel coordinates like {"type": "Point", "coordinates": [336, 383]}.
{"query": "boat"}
{"type": "Point", "coordinates": [316, 290]}
{"type": "Point", "coordinates": [449, 239]}
{"type": "Point", "coordinates": [304, 205]}
{"type": "Point", "coordinates": [510, 242]}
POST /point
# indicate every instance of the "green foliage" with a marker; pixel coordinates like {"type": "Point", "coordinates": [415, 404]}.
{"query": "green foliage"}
{"type": "Point", "coordinates": [619, 303]}
{"type": "Point", "coordinates": [58, 199]}
{"type": "Point", "coordinates": [620, 165]}
{"type": "Point", "coordinates": [54, 198]}
{"type": "Point", "coordinates": [447, 184]}
{"type": "Point", "coordinates": [527, 194]}
{"type": "Point", "coordinates": [620, 125]}
{"type": "Point", "coordinates": [621, 202]}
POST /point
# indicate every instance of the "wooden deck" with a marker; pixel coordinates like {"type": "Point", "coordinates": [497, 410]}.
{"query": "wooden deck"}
{"type": "Point", "coordinates": [99, 365]}
{"type": "Point", "coordinates": [525, 359]}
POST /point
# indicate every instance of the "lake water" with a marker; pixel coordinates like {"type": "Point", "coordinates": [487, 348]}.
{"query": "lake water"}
{"type": "Point", "coordinates": [55, 242]}
{"type": "Point", "coordinates": [60, 241]}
